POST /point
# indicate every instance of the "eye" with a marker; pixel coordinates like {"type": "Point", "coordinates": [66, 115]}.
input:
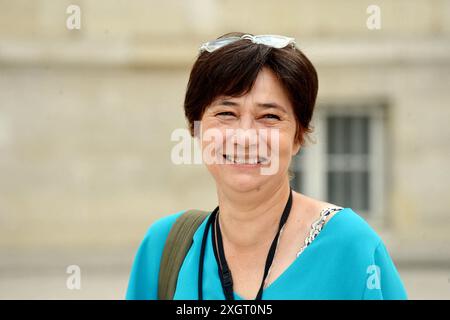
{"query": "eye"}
{"type": "Point", "coordinates": [271, 116]}
{"type": "Point", "coordinates": [225, 114]}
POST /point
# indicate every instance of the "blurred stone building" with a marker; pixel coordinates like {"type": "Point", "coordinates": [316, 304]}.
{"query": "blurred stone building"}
{"type": "Point", "coordinates": [86, 117]}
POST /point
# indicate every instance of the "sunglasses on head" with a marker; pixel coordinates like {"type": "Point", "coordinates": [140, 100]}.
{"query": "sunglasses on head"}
{"type": "Point", "coordinates": [274, 41]}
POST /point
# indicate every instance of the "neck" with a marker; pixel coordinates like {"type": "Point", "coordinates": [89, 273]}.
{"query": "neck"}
{"type": "Point", "coordinates": [250, 220]}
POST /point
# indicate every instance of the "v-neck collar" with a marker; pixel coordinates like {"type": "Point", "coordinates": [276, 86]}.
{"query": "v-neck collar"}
{"type": "Point", "coordinates": [272, 286]}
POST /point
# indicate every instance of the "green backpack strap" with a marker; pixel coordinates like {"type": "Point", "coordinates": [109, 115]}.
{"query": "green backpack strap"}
{"type": "Point", "coordinates": [176, 247]}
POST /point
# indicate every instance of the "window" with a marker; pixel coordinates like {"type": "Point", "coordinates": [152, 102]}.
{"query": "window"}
{"type": "Point", "coordinates": [345, 165]}
{"type": "Point", "coordinates": [348, 170]}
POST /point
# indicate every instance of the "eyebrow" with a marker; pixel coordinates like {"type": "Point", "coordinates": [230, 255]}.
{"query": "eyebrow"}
{"type": "Point", "coordinates": [266, 105]}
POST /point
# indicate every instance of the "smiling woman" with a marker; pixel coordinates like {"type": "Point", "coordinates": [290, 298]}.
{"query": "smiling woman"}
{"type": "Point", "coordinates": [232, 70]}
{"type": "Point", "coordinates": [263, 240]}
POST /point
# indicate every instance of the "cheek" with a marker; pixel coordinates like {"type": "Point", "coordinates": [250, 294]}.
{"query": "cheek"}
{"type": "Point", "coordinates": [284, 142]}
{"type": "Point", "coordinates": [286, 147]}
{"type": "Point", "coordinates": [212, 141]}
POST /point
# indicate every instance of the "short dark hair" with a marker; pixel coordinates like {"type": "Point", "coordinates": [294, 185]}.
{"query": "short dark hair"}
{"type": "Point", "coordinates": [232, 71]}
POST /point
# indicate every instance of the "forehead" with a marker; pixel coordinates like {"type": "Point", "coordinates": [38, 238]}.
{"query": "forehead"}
{"type": "Point", "coordinates": [266, 89]}
{"type": "Point", "coordinates": [267, 83]}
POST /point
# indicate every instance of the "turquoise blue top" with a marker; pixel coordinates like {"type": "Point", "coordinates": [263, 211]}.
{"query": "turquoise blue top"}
{"type": "Point", "coordinates": [347, 260]}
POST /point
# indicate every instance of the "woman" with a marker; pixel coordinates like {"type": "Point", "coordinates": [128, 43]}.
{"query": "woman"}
{"type": "Point", "coordinates": [263, 240]}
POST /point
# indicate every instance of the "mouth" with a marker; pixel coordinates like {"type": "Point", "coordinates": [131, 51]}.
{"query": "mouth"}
{"type": "Point", "coordinates": [245, 160]}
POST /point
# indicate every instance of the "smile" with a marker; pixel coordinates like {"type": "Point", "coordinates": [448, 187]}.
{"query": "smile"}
{"type": "Point", "coordinates": [246, 160]}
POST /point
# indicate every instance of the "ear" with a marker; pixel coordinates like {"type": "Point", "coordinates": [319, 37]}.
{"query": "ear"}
{"type": "Point", "coordinates": [296, 148]}
{"type": "Point", "coordinates": [196, 130]}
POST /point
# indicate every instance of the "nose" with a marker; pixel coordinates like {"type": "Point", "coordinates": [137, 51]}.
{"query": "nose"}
{"type": "Point", "coordinates": [246, 122]}
{"type": "Point", "coordinates": [246, 137]}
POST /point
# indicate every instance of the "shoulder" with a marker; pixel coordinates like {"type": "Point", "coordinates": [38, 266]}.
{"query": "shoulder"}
{"type": "Point", "coordinates": [345, 226]}
{"type": "Point", "coordinates": [357, 249]}
{"type": "Point", "coordinates": [143, 282]}
{"type": "Point", "coordinates": [351, 231]}
{"type": "Point", "coordinates": [160, 228]}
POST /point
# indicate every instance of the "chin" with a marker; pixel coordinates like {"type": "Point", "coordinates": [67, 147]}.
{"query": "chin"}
{"type": "Point", "coordinates": [243, 182]}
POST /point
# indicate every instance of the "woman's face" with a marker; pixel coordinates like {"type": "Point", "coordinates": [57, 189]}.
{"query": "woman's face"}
{"type": "Point", "coordinates": [248, 141]}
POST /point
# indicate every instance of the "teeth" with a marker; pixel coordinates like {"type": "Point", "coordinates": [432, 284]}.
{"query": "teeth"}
{"type": "Point", "coordinates": [241, 160]}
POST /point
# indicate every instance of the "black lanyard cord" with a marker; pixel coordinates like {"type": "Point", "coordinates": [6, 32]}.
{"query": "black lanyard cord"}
{"type": "Point", "coordinates": [224, 272]}
{"type": "Point", "coordinates": [202, 253]}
